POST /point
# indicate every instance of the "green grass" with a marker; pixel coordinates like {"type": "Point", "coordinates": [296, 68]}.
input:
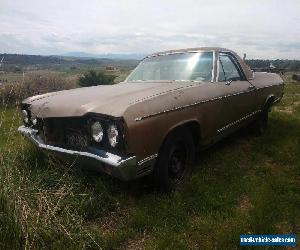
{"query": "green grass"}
{"type": "Point", "coordinates": [242, 185]}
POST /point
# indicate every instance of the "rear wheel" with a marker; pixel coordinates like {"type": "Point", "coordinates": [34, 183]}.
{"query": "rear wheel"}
{"type": "Point", "coordinates": [263, 122]}
{"type": "Point", "coordinates": [175, 160]}
{"type": "Point", "coordinates": [260, 125]}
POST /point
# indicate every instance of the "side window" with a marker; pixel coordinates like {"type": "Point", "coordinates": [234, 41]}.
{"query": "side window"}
{"type": "Point", "coordinates": [227, 69]}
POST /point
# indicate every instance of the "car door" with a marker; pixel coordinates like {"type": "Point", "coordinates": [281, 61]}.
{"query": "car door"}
{"type": "Point", "coordinates": [238, 94]}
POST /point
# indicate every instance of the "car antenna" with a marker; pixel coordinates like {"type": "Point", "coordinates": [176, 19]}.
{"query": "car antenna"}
{"type": "Point", "coordinates": [244, 57]}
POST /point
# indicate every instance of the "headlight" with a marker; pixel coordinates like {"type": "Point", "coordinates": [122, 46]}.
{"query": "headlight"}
{"type": "Point", "coordinates": [97, 131]}
{"type": "Point", "coordinates": [25, 116]}
{"type": "Point", "coordinates": [112, 134]}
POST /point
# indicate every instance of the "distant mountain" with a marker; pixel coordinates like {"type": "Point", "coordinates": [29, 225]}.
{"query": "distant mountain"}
{"type": "Point", "coordinates": [118, 56]}
{"type": "Point", "coordinates": [124, 61]}
{"type": "Point", "coordinates": [18, 59]}
{"type": "Point", "coordinates": [13, 62]}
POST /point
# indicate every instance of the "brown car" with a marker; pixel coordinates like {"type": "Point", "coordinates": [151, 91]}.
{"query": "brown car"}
{"type": "Point", "coordinates": [172, 104]}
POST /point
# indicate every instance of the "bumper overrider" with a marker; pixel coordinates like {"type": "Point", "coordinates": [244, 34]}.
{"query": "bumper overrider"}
{"type": "Point", "coordinates": [124, 168]}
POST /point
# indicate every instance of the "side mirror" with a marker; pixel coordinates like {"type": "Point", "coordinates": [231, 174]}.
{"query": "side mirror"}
{"type": "Point", "coordinates": [229, 82]}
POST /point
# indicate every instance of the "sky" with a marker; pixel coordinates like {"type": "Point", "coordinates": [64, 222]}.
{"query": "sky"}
{"type": "Point", "coordinates": [266, 29]}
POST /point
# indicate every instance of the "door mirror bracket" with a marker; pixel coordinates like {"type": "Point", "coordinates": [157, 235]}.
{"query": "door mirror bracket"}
{"type": "Point", "coordinates": [229, 82]}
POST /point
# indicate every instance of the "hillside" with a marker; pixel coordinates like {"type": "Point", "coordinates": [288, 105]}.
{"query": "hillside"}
{"type": "Point", "coordinates": [13, 62]}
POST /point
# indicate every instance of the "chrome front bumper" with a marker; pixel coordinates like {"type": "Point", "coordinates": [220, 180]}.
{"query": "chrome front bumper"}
{"type": "Point", "coordinates": [124, 168]}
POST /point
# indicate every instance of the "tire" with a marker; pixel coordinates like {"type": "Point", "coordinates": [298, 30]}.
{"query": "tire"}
{"type": "Point", "coordinates": [175, 160]}
{"type": "Point", "coordinates": [260, 125]}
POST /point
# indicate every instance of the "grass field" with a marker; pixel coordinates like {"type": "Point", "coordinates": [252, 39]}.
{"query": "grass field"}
{"type": "Point", "coordinates": [67, 74]}
{"type": "Point", "coordinates": [244, 184]}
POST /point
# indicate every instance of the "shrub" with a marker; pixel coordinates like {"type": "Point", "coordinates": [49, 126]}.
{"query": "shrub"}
{"type": "Point", "coordinates": [93, 78]}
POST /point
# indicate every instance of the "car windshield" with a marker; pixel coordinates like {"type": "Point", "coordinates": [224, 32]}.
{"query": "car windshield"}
{"type": "Point", "coordinates": [190, 66]}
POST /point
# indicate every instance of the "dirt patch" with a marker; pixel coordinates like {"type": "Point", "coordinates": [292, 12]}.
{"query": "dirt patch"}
{"type": "Point", "coordinates": [296, 103]}
{"type": "Point", "coordinates": [284, 227]}
{"type": "Point", "coordinates": [287, 110]}
{"type": "Point", "coordinates": [137, 243]}
{"type": "Point", "coordinates": [244, 204]}
{"type": "Point", "coordinates": [114, 221]}
{"type": "Point", "coordinates": [111, 223]}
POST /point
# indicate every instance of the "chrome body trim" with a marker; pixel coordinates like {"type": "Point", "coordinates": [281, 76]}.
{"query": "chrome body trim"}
{"type": "Point", "coordinates": [147, 159]}
{"type": "Point", "coordinates": [218, 66]}
{"type": "Point", "coordinates": [189, 105]}
{"type": "Point", "coordinates": [192, 85]}
{"type": "Point", "coordinates": [228, 126]}
{"type": "Point", "coordinates": [146, 166]}
{"type": "Point", "coordinates": [213, 75]}
{"type": "Point", "coordinates": [121, 167]}
{"type": "Point", "coordinates": [178, 52]}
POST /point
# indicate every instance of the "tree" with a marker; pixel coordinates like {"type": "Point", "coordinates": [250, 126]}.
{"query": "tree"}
{"type": "Point", "coordinates": [92, 78]}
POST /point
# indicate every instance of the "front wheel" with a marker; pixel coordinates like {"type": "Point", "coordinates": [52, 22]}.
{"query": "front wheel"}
{"type": "Point", "coordinates": [175, 160]}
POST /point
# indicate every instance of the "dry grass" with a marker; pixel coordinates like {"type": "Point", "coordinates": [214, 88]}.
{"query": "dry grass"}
{"type": "Point", "coordinates": [33, 84]}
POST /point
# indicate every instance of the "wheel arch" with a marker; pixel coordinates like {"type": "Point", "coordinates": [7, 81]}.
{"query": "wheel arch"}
{"type": "Point", "coordinates": [268, 102]}
{"type": "Point", "coordinates": [192, 126]}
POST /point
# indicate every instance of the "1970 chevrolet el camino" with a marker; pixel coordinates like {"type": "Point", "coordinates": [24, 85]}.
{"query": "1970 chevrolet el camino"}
{"type": "Point", "coordinates": [172, 104]}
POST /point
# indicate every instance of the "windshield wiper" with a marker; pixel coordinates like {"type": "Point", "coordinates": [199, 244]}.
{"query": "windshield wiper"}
{"type": "Point", "coordinates": [184, 81]}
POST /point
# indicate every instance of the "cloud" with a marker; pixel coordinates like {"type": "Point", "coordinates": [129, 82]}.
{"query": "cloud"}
{"type": "Point", "coordinates": [268, 29]}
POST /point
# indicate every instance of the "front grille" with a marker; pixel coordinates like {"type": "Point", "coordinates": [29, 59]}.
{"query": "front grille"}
{"type": "Point", "coordinates": [76, 139]}
{"type": "Point", "coordinates": [74, 133]}
{"type": "Point", "coordinates": [69, 133]}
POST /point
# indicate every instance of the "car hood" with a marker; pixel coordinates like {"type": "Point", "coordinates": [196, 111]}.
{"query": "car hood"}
{"type": "Point", "coordinates": [111, 100]}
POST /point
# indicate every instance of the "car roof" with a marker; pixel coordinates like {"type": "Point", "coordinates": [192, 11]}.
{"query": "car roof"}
{"type": "Point", "coordinates": [248, 72]}
{"type": "Point", "coordinates": [200, 49]}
